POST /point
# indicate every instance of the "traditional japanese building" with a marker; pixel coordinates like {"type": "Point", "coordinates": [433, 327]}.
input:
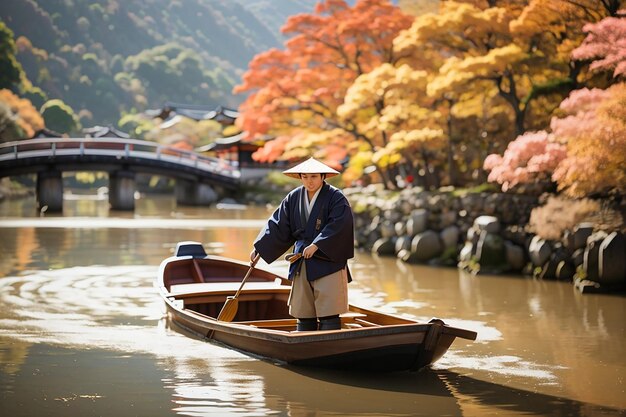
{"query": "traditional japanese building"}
{"type": "Point", "coordinates": [223, 115]}
{"type": "Point", "coordinates": [105, 132]}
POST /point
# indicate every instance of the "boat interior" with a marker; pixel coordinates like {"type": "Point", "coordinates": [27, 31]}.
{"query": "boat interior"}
{"type": "Point", "coordinates": [201, 286]}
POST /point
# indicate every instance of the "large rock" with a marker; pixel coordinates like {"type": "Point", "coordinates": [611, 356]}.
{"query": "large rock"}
{"type": "Point", "coordinates": [490, 251]}
{"type": "Point", "coordinates": [590, 259]}
{"type": "Point", "coordinates": [489, 224]}
{"type": "Point", "coordinates": [612, 259]}
{"type": "Point", "coordinates": [450, 237]}
{"type": "Point", "coordinates": [565, 271]}
{"type": "Point", "coordinates": [384, 246]}
{"type": "Point", "coordinates": [426, 246]}
{"type": "Point", "coordinates": [402, 243]}
{"type": "Point", "coordinates": [578, 257]}
{"type": "Point", "coordinates": [387, 229]}
{"type": "Point", "coordinates": [539, 251]}
{"type": "Point", "coordinates": [417, 222]}
{"type": "Point", "coordinates": [400, 228]}
{"type": "Point", "coordinates": [448, 218]}
{"type": "Point", "coordinates": [550, 268]}
{"type": "Point", "coordinates": [515, 256]}
{"type": "Point", "coordinates": [581, 233]}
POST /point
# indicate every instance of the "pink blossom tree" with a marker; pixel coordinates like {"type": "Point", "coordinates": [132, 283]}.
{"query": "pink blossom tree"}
{"type": "Point", "coordinates": [594, 129]}
{"type": "Point", "coordinates": [606, 45]}
{"type": "Point", "coordinates": [531, 157]}
{"type": "Point", "coordinates": [585, 151]}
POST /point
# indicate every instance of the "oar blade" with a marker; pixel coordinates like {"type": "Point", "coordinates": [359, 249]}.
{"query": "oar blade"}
{"type": "Point", "coordinates": [229, 309]}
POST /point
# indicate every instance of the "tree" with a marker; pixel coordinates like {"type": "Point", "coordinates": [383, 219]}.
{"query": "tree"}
{"type": "Point", "coordinates": [484, 55]}
{"type": "Point", "coordinates": [594, 131]}
{"type": "Point", "coordinates": [500, 66]}
{"type": "Point", "coordinates": [184, 132]}
{"type": "Point", "coordinates": [585, 154]}
{"type": "Point", "coordinates": [10, 70]}
{"type": "Point", "coordinates": [59, 117]}
{"type": "Point", "coordinates": [295, 93]}
{"type": "Point", "coordinates": [391, 107]}
{"type": "Point", "coordinates": [605, 44]}
{"type": "Point", "coordinates": [530, 158]}
{"type": "Point", "coordinates": [18, 117]}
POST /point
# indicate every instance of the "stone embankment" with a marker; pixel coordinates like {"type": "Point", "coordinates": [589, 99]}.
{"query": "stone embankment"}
{"type": "Point", "coordinates": [483, 232]}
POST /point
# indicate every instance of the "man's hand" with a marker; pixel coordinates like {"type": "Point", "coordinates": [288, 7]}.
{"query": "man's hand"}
{"type": "Point", "coordinates": [252, 255]}
{"type": "Point", "coordinates": [309, 251]}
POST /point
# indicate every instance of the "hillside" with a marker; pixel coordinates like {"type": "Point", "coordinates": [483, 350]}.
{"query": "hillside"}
{"type": "Point", "coordinates": [108, 58]}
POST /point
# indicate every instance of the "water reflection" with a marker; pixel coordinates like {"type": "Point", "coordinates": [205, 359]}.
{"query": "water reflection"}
{"type": "Point", "coordinates": [478, 398]}
{"type": "Point", "coordinates": [77, 295]}
{"type": "Point", "coordinates": [116, 308]}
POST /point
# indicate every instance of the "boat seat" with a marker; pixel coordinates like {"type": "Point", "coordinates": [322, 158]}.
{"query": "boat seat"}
{"type": "Point", "coordinates": [291, 322]}
{"type": "Point", "coordinates": [227, 288]}
{"type": "Point", "coordinates": [277, 323]}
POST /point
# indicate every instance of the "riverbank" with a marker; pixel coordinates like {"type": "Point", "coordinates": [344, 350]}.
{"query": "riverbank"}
{"type": "Point", "coordinates": [11, 189]}
{"type": "Point", "coordinates": [488, 233]}
{"type": "Point", "coordinates": [479, 230]}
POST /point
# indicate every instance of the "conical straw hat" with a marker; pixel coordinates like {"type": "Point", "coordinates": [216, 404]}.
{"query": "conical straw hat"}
{"type": "Point", "coordinates": [310, 166]}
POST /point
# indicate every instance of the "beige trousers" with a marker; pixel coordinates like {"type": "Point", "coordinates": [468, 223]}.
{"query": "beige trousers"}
{"type": "Point", "coordinates": [322, 297]}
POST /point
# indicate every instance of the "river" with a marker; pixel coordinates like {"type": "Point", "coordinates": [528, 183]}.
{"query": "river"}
{"type": "Point", "coordinates": [83, 331]}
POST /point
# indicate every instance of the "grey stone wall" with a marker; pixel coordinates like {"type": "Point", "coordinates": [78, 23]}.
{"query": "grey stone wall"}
{"type": "Point", "coordinates": [483, 233]}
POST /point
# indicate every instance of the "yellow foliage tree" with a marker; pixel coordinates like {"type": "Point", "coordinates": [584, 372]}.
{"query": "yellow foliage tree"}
{"type": "Point", "coordinates": [398, 119]}
{"type": "Point", "coordinates": [520, 50]}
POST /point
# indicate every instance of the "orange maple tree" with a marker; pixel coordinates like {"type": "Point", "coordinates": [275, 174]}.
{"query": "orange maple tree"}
{"type": "Point", "coordinates": [295, 92]}
{"type": "Point", "coordinates": [18, 117]}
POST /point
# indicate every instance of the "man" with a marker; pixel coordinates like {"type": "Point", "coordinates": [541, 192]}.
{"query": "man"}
{"type": "Point", "coordinates": [316, 219]}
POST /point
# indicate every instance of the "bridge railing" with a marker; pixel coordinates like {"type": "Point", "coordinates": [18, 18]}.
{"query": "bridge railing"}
{"type": "Point", "coordinates": [117, 147]}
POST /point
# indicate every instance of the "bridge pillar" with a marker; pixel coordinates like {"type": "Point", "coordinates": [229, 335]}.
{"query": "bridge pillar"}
{"type": "Point", "coordinates": [122, 190]}
{"type": "Point", "coordinates": [193, 193]}
{"type": "Point", "coordinates": [50, 190]}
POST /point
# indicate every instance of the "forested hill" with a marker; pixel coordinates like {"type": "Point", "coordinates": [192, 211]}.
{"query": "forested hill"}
{"type": "Point", "coordinates": [104, 58]}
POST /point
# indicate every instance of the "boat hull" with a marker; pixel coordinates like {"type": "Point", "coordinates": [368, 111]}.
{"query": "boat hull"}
{"type": "Point", "coordinates": [368, 340]}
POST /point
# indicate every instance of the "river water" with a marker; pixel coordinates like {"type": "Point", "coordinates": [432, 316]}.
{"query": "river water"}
{"type": "Point", "coordinates": [83, 331]}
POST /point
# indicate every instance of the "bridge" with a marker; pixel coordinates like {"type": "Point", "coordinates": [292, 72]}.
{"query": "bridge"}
{"type": "Point", "coordinates": [198, 178]}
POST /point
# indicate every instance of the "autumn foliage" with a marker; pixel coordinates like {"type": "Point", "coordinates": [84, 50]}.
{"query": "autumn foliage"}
{"type": "Point", "coordinates": [594, 131]}
{"type": "Point", "coordinates": [473, 86]}
{"type": "Point", "coordinates": [18, 117]}
{"type": "Point", "coordinates": [295, 93]}
{"type": "Point", "coordinates": [589, 130]}
{"type": "Point", "coordinates": [605, 44]}
{"type": "Point", "coordinates": [531, 157]}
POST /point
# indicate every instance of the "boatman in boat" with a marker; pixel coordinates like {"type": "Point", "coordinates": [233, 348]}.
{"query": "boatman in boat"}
{"type": "Point", "coordinates": [316, 219]}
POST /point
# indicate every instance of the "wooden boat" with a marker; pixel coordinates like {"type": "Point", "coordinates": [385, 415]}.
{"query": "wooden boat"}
{"type": "Point", "coordinates": [194, 287]}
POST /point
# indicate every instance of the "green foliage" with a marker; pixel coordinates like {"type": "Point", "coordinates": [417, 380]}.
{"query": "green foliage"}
{"type": "Point", "coordinates": [278, 179]}
{"type": "Point", "coordinates": [77, 43]}
{"type": "Point", "coordinates": [36, 96]}
{"type": "Point", "coordinates": [10, 69]}
{"type": "Point", "coordinates": [481, 188]}
{"type": "Point", "coordinates": [136, 125]}
{"type": "Point", "coordinates": [59, 117]}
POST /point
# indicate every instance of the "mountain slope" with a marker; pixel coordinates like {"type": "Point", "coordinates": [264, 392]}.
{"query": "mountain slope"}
{"type": "Point", "coordinates": [106, 58]}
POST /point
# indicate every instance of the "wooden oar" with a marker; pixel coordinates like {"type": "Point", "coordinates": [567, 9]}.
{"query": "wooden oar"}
{"type": "Point", "coordinates": [229, 310]}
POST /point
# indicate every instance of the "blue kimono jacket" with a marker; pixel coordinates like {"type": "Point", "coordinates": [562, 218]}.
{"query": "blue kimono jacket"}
{"type": "Point", "coordinates": [330, 226]}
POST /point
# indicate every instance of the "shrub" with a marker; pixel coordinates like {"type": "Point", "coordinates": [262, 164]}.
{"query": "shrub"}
{"type": "Point", "coordinates": [560, 214]}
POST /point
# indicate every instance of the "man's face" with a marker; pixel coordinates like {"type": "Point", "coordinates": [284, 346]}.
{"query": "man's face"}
{"type": "Point", "coordinates": [312, 182]}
